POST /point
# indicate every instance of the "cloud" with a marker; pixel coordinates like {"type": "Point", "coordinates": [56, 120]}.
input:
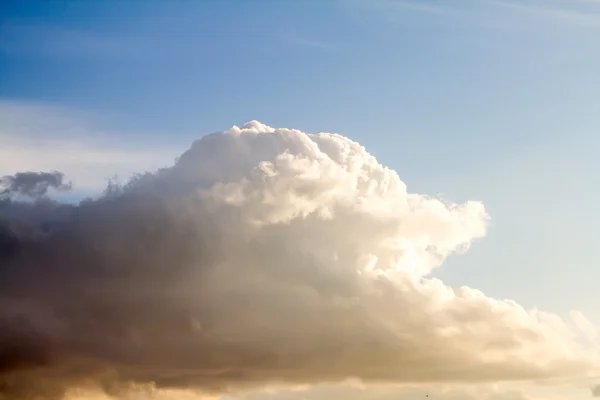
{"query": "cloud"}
{"type": "Point", "coordinates": [306, 42]}
{"type": "Point", "coordinates": [503, 15]}
{"type": "Point", "coordinates": [42, 138]}
{"type": "Point", "coordinates": [32, 184]}
{"type": "Point", "coordinates": [391, 392]}
{"type": "Point", "coordinates": [580, 13]}
{"type": "Point", "coordinates": [435, 8]}
{"type": "Point", "coordinates": [47, 40]}
{"type": "Point", "coordinates": [262, 256]}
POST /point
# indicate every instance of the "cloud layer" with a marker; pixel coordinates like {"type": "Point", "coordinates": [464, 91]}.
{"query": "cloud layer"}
{"type": "Point", "coordinates": [262, 256]}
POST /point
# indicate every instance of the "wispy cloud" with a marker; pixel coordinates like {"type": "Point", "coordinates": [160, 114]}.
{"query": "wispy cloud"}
{"type": "Point", "coordinates": [391, 9]}
{"type": "Point", "coordinates": [304, 41]}
{"type": "Point", "coordinates": [493, 13]}
{"type": "Point", "coordinates": [51, 40]}
{"type": "Point", "coordinates": [428, 7]}
{"type": "Point", "coordinates": [578, 12]}
{"type": "Point", "coordinates": [42, 138]}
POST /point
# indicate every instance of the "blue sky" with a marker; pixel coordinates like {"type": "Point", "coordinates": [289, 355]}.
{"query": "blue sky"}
{"type": "Point", "coordinates": [490, 100]}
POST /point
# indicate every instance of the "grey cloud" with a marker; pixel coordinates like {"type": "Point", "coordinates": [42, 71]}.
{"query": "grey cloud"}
{"type": "Point", "coordinates": [32, 184]}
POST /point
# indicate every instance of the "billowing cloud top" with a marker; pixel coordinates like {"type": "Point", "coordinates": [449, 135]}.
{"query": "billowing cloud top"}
{"type": "Point", "coordinates": [262, 256]}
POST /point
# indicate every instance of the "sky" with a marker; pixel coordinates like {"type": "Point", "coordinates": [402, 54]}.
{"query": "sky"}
{"type": "Point", "coordinates": [490, 101]}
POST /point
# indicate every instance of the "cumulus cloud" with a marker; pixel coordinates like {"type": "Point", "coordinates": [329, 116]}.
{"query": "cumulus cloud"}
{"type": "Point", "coordinates": [262, 256]}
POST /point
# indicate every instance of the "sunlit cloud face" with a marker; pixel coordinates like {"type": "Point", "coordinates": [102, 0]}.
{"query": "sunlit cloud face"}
{"type": "Point", "coordinates": [261, 257]}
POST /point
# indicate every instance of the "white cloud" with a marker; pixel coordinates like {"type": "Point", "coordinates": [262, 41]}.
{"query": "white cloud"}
{"type": "Point", "coordinates": [274, 256]}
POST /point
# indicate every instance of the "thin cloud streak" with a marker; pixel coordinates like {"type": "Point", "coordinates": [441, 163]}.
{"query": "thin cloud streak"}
{"type": "Point", "coordinates": [306, 42]}
{"type": "Point", "coordinates": [485, 13]}
{"type": "Point", "coordinates": [58, 41]}
{"type": "Point", "coordinates": [422, 7]}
